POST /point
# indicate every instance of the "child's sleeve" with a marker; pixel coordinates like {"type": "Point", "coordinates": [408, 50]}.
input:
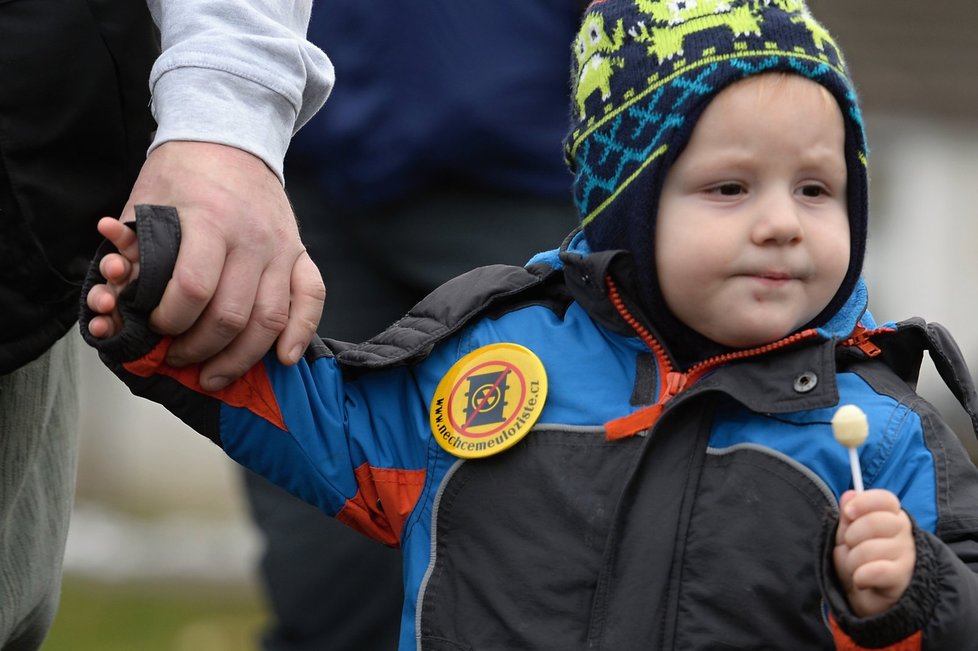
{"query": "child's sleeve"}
{"type": "Point", "coordinates": [355, 448]}
{"type": "Point", "coordinates": [926, 466]}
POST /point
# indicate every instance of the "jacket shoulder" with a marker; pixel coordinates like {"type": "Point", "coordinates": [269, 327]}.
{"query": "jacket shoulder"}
{"type": "Point", "coordinates": [899, 352]}
{"type": "Point", "coordinates": [484, 292]}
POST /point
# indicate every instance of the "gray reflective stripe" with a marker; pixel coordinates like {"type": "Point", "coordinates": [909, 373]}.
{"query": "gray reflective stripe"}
{"type": "Point", "coordinates": [572, 429]}
{"type": "Point", "coordinates": [794, 463]}
{"type": "Point", "coordinates": [431, 561]}
{"type": "Point", "coordinates": [577, 429]}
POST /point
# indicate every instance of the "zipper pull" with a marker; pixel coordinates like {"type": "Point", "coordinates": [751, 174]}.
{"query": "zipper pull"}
{"type": "Point", "coordinates": [675, 382]}
{"type": "Point", "coordinates": [861, 340]}
{"type": "Point", "coordinates": [644, 419]}
{"type": "Point", "coordinates": [868, 347]}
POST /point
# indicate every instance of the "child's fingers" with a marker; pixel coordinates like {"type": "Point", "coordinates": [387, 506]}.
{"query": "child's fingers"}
{"type": "Point", "coordinates": [873, 550]}
{"type": "Point", "coordinates": [885, 576]}
{"type": "Point", "coordinates": [121, 236]}
{"type": "Point", "coordinates": [101, 299]}
{"type": "Point", "coordinates": [877, 524]}
{"type": "Point", "coordinates": [847, 497]}
{"type": "Point", "coordinates": [115, 268]}
{"type": "Point", "coordinates": [102, 327]}
{"type": "Point", "coordinates": [844, 521]}
{"type": "Point", "coordinates": [874, 554]}
{"type": "Point", "coordinates": [118, 269]}
{"type": "Point", "coordinates": [860, 504]}
{"type": "Point", "coordinates": [99, 328]}
{"type": "Point", "coordinates": [840, 557]}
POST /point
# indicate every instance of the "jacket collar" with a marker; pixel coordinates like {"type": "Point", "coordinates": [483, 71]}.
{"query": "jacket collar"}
{"type": "Point", "coordinates": [585, 271]}
{"type": "Point", "coordinates": [785, 380]}
{"type": "Point", "coordinates": [795, 373]}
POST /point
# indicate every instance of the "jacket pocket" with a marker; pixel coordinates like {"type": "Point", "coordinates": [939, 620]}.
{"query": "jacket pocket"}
{"type": "Point", "coordinates": [749, 576]}
{"type": "Point", "coordinates": [518, 543]}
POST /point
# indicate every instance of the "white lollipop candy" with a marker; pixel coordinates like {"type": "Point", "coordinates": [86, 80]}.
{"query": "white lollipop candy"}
{"type": "Point", "coordinates": [851, 428]}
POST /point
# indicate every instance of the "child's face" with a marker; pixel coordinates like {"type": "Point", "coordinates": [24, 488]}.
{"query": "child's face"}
{"type": "Point", "coordinates": [752, 236]}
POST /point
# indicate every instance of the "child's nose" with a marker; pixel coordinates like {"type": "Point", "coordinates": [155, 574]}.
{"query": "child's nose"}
{"type": "Point", "coordinates": [777, 220]}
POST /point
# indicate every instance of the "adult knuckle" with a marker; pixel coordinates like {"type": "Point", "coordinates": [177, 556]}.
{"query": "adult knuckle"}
{"type": "Point", "coordinates": [308, 324]}
{"type": "Point", "coordinates": [192, 287]}
{"type": "Point", "coordinates": [272, 318]}
{"type": "Point", "coordinates": [315, 290]}
{"type": "Point", "coordinates": [231, 321]}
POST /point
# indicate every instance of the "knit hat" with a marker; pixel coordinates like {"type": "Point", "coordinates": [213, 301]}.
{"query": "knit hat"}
{"type": "Point", "coordinates": [645, 71]}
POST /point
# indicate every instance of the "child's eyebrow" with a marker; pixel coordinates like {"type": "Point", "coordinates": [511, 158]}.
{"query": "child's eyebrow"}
{"type": "Point", "coordinates": [733, 156]}
{"type": "Point", "coordinates": [824, 157]}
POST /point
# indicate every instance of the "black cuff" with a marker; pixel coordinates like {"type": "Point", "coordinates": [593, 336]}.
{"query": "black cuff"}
{"type": "Point", "coordinates": [907, 616]}
{"type": "Point", "coordinates": [158, 230]}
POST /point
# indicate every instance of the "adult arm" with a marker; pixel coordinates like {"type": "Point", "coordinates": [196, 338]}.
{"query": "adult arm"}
{"type": "Point", "coordinates": [235, 80]}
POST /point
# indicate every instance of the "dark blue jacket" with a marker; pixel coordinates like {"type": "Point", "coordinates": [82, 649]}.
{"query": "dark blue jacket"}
{"type": "Point", "coordinates": [409, 111]}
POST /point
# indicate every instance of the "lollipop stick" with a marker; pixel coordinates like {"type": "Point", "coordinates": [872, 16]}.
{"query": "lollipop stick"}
{"type": "Point", "coordinates": [857, 473]}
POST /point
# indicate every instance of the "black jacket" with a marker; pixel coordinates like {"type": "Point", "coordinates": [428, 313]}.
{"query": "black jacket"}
{"type": "Point", "coordinates": [74, 127]}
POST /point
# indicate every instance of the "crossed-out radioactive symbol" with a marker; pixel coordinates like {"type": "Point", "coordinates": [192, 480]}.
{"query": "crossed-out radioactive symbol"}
{"type": "Point", "coordinates": [486, 399]}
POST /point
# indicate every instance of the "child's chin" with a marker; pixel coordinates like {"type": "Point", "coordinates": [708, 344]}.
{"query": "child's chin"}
{"type": "Point", "coordinates": [751, 337]}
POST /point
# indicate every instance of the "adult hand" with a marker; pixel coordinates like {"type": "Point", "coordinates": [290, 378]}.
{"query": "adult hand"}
{"type": "Point", "coordinates": [242, 276]}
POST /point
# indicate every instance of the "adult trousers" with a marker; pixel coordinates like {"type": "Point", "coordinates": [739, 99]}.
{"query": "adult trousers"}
{"type": "Point", "coordinates": [38, 460]}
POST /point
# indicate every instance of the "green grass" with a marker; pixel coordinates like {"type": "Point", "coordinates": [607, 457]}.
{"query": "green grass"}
{"type": "Point", "coordinates": [129, 617]}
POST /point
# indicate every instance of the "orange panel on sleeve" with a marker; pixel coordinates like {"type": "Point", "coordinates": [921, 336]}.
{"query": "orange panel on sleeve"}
{"type": "Point", "coordinates": [253, 391]}
{"type": "Point", "coordinates": [383, 502]}
{"type": "Point", "coordinates": [844, 643]}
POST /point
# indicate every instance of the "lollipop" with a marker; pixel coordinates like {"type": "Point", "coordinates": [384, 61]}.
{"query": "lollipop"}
{"type": "Point", "coordinates": [851, 428]}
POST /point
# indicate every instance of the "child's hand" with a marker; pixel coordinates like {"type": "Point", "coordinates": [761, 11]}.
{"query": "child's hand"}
{"type": "Point", "coordinates": [874, 550]}
{"type": "Point", "coordinates": [119, 269]}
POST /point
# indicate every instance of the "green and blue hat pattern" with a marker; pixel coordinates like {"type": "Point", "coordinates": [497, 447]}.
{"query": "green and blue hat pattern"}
{"type": "Point", "coordinates": [644, 71]}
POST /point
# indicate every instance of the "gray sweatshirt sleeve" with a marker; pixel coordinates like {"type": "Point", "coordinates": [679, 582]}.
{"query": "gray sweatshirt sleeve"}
{"type": "Point", "coordinates": [236, 72]}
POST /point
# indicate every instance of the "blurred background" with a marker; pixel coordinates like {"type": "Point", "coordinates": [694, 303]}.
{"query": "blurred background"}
{"type": "Point", "coordinates": [161, 553]}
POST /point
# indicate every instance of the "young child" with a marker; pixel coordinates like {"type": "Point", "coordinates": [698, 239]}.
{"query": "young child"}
{"type": "Point", "coordinates": [627, 443]}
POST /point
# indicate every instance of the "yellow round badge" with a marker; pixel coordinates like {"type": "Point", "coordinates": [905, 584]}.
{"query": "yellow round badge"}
{"type": "Point", "coordinates": [488, 400]}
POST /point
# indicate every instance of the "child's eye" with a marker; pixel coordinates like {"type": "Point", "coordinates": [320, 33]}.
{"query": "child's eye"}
{"type": "Point", "coordinates": [727, 189]}
{"type": "Point", "coordinates": [813, 191]}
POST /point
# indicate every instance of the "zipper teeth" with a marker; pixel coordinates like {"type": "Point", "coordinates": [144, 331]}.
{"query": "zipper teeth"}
{"type": "Point", "coordinates": [860, 335]}
{"type": "Point", "coordinates": [701, 368]}
{"type": "Point", "coordinates": [704, 366]}
{"type": "Point", "coordinates": [635, 325]}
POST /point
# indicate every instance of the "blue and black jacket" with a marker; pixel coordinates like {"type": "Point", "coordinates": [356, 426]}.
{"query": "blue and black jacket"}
{"type": "Point", "coordinates": [646, 509]}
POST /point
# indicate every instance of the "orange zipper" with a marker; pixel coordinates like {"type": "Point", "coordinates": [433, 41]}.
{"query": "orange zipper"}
{"type": "Point", "coordinates": [675, 382]}
{"type": "Point", "coordinates": [861, 339]}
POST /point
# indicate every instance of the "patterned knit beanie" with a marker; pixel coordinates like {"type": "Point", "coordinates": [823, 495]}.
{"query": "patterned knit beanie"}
{"type": "Point", "coordinates": [645, 71]}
